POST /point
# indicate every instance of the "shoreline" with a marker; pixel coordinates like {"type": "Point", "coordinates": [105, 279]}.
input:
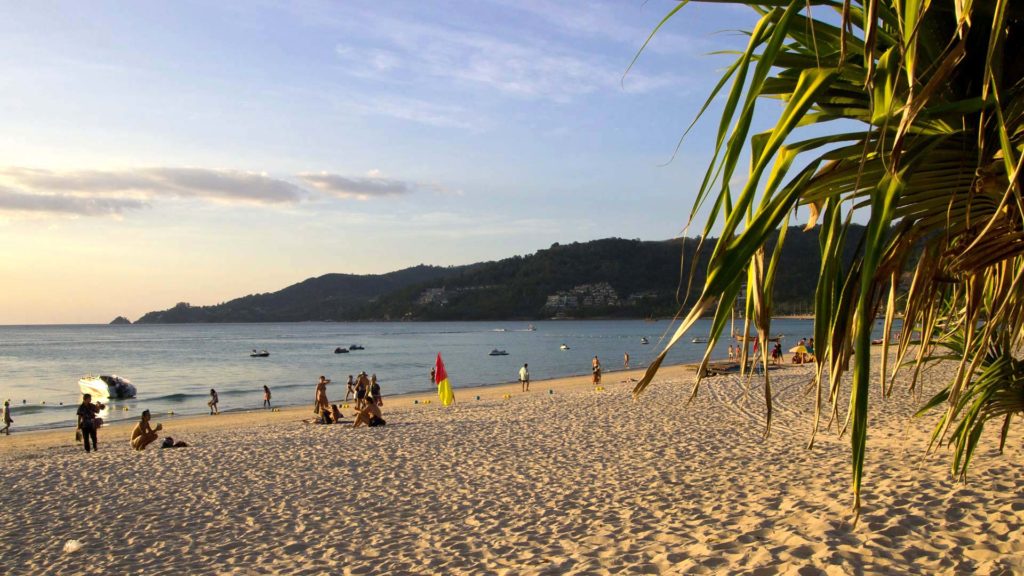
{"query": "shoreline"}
{"type": "Point", "coordinates": [119, 430]}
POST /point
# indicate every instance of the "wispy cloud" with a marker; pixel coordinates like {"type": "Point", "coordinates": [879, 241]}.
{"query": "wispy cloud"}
{"type": "Point", "coordinates": [373, 186]}
{"type": "Point", "coordinates": [114, 192]}
{"type": "Point", "coordinates": [158, 182]}
{"type": "Point", "coordinates": [65, 204]}
{"type": "Point", "coordinates": [408, 51]}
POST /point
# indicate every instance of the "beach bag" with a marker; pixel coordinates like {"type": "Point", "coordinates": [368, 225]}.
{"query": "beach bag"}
{"type": "Point", "coordinates": [78, 434]}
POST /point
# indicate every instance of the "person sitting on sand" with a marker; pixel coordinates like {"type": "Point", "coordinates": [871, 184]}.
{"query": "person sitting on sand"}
{"type": "Point", "coordinates": [369, 415]}
{"type": "Point", "coordinates": [336, 413]}
{"type": "Point", "coordinates": [143, 434]}
{"type": "Point", "coordinates": [170, 443]}
{"type": "Point", "coordinates": [266, 396]}
{"type": "Point", "coordinates": [214, 399]}
{"type": "Point", "coordinates": [595, 365]}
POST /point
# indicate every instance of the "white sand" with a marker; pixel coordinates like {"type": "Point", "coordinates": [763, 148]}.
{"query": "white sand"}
{"type": "Point", "coordinates": [568, 483]}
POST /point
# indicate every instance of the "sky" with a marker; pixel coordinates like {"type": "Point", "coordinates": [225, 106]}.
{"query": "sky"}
{"type": "Point", "coordinates": [161, 152]}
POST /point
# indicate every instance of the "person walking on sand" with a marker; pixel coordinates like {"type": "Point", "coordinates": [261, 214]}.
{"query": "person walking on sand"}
{"type": "Point", "coordinates": [433, 375]}
{"type": "Point", "coordinates": [350, 388]}
{"type": "Point", "coordinates": [362, 389]}
{"type": "Point", "coordinates": [595, 366]}
{"type": "Point", "coordinates": [7, 417]}
{"type": "Point", "coordinates": [143, 434]}
{"type": "Point", "coordinates": [320, 402]}
{"type": "Point", "coordinates": [524, 377]}
{"type": "Point", "coordinates": [88, 422]}
{"type": "Point", "coordinates": [214, 399]}
{"type": "Point", "coordinates": [625, 360]}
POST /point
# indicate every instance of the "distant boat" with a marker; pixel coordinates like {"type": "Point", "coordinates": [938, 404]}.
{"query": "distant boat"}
{"type": "Point", "coordinates": [644, 340]}
{"type": "Point", "coordinates": [531, 328]}
{"type": "Point", "coordinates": [497, 352]}
{"type": "Point", "coordinates": [260, 354]}
{"type": "Point", "coordinates": [340, 350]}
{"type": "Point", "coordinates": [498, 330]}
{"type": "Point", "coordinates": [699, 340]}
{"type": "Point", "coordinates": [107, 387]}
{"type": "Point", "coordinates": [356, 347]}
{"type": "Point", "coordinates": [564, 347]}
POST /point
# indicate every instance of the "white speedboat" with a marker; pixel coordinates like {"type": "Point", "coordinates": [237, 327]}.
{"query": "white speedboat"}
{"type": "Point", "coordinates": [564, 347]}
{"type": "Point", "coordinates": [644, 340]}
{"type": "Point", "coordinates": [107, 387]}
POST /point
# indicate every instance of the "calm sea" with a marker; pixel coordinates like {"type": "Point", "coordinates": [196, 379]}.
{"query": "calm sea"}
{"type": "Point", "coordinates": [174, 366]}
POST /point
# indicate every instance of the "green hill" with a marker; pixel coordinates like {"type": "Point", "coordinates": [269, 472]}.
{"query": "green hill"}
{"type": "Point", "coordinates": [602, 278]}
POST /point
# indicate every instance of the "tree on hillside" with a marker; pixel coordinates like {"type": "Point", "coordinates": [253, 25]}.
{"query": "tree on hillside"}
{"type": "Point", "coordinates": [924, 103]}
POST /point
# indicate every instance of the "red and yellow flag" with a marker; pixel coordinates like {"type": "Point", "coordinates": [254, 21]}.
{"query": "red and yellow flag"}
{"type": "Point", "coordinates": [444, 388]}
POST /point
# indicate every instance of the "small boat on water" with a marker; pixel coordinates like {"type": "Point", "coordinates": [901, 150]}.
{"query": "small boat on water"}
{"type": "Point", "coordinates": [531, 328]}
{"type": "Point", "coordinates": [340, 350]}
{"type": "Point", "coordinates": [260, 354]}
{"type": "Point", "coordinates": [644, 340]}
{"type": "Point", "coordinates": [111, 386]}
{"type": "Point", "coordinates": [497, 352]}
{"type": "Point", "coordinates": [699, 340]}
{"type": "Point", "coordinates": [564, 347]}
{"type": "Point", "coordinates": [356, 347]}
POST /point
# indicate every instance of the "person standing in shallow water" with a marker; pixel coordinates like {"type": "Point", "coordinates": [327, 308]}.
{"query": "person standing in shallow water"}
{"type": "Point", "coordinates": [87, 421]}
{"type": "Point", "coordinates": [266, 396]}
{"type": "Point", "coordinates": [625, 360]}
{"type": "Point", "coordinates": [7, 417]}
{"type": "Point", "coordinates": [214, 399]}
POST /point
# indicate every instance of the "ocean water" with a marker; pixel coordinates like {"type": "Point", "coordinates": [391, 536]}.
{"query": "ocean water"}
{"type": "Point", "coordinates": [175, 366]}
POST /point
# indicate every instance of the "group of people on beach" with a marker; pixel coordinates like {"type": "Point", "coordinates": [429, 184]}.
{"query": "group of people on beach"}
{"type": "Point", "coordinates": [802, 353]}
{"type": "Point", "coordinates": [363, 389]}
{"type": "Point", "coordinates": [143, 434]}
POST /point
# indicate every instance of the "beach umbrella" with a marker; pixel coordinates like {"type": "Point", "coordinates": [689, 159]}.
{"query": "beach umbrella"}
{"type": "Point", "coordinates": [799, 349]}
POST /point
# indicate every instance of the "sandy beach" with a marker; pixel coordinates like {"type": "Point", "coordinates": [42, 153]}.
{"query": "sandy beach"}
{"type": "Point", "coordinates": [561, 480]}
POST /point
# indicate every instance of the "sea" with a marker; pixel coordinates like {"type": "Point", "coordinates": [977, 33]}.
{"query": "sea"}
{"type": "Point", "coordinates": [174, 366]}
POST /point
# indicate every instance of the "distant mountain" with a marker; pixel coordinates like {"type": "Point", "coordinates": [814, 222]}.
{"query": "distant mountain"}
{"type": "Point", "coordinates": [120, 320]}
{"type": "Point", "coordinates": [328, 297]}
{"type": "Point", "coordinates": [602, 278]}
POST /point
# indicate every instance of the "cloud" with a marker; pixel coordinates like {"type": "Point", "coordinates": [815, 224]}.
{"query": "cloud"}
{"type": "Point", "coordinates": [407, 51]}
{"type": "Point", "coordinates": [372, 186]}
{"type": "Point", "coordinates": [19, 202]}
{"type": "Point", "coordinates": [114, 192]}
{"type": "Point", "coordinates": [200, 183]}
